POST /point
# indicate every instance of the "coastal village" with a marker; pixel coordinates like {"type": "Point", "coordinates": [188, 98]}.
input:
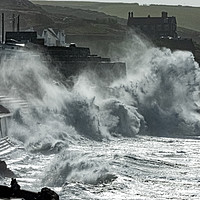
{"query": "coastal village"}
{"type": "Point", "coordinates": [71, 59]}
{"type": "Point", "coordinates": [86, 28]}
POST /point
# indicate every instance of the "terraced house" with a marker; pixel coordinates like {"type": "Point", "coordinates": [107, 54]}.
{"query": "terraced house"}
{"type": "Point", "coordinates": [154, 27]}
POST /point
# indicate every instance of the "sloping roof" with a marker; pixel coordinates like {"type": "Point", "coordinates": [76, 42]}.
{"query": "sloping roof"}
{"type": "Point", "coordinates": [52, 32]}
{"type": "Point", "coordinates": [4, 110]}
{"type": "Point", "coordinates": [22, 35]}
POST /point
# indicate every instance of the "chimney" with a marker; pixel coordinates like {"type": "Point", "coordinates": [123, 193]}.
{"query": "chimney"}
{"type": "Point", "coordinates": [13, 22]}
{"type": "Point", "coordinates": [131, 14]}
{"type": "Point", "coordinates": [164, 14]}
{"type": "Point", "coordinates": [18, 23]}
{"type": "Point", "coordinates": [2, 28]}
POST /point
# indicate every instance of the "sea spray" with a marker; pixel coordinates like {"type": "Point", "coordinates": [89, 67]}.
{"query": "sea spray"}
{"type": "Point", "coordinates": [165, 86]}
{"type": "Point", "coordinates": [156, 98]}
{"type": "Point", "coordinates": [26, 77]}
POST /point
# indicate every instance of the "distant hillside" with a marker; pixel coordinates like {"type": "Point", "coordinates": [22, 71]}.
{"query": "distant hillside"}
{"type": "Point", "coordinates": [31, 15]}
{"type": "Point", "coordinates": [18, 5]}
{"type": "Point", "coordinates": [84, 27]}
{"type": "Point", "coordinates": [187, 17]}
{"type": "Point", "coordinates": [96, 29]}
{"type": "Point", "coordinates": [78, 21]}
{"type": "Point", "coordinates": [73, 21]}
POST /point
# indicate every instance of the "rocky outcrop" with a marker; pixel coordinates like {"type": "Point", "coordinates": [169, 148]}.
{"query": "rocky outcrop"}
{"type": "Point", "coordinates": [5, 171]}
{"type": "Point", "coordinates": [15, 192]}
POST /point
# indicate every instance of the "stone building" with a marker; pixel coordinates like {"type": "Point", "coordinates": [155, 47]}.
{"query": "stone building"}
{"type": "Point", "coordinates": [154, 27]}
{"type": "Point", "coordinates": [53, 37]}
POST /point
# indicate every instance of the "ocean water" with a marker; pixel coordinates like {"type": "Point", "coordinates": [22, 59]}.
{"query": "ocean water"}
{"type": "Point", "coordinates": [137, 138]}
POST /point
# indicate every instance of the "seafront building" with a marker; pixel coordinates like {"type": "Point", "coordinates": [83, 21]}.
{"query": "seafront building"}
{"type": "Point", "coordinates": [154, 27]}
{"type": "Point", "coordinates": [162, 31]}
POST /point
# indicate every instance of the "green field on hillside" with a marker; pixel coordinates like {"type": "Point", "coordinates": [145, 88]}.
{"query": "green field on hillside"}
{"type": "Point", "coordinates": [187, 17]}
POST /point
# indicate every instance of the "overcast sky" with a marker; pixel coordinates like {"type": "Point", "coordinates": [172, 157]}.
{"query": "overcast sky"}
{"type": "Point", "coordinates": [166, 2]}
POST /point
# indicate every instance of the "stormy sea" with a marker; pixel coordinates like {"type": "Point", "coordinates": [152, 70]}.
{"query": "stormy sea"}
{"type": "Point", "coordinates": [136, 138]}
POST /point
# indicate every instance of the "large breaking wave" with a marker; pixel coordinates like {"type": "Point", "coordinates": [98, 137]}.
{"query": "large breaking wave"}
{"type": "Point", "coordinates": [159, 96]}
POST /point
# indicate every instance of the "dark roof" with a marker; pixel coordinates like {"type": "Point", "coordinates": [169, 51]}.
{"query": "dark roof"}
{"type": "Point", "coordinates": [40, 31]}
{"type": "Point", "coordinates": [4, 110]}
{"type": "Point", "coordinates": [22, 35]}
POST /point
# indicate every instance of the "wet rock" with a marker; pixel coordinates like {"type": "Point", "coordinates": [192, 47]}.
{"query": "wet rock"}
{"type": "Point", "coordinates": [5, 171]}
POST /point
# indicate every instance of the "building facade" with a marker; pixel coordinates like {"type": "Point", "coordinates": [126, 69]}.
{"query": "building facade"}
{"type": "Point", "coordinates": [51, 38]}
{"type": "Point", "coordinates": [154, 27]}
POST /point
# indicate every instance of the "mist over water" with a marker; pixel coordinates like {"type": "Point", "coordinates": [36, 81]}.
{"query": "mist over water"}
{"type": "Point", "coordinates": [159, 97]}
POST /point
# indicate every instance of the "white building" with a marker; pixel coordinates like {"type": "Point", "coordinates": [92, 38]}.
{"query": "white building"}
{"type": "Point", "coordinates": [53, 38]}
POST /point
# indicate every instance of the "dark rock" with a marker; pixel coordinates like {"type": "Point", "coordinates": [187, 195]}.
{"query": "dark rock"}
{"type": "Point", "coordinates": [16, 192]}
{"type": "Point", "coordinates": [5, 171]}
